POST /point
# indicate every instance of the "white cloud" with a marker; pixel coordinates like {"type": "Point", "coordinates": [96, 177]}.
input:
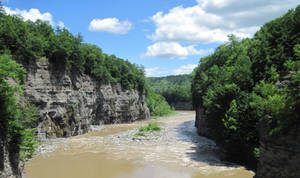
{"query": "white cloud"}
{"type": "Point", "coordinates": [61, 24]}
{"type": "Point", "coordinates": [111, 25]}
{"type": "Point", "coordinates": [171, 50]}
{"type": "Point", "coordinates": [232, 6]}
{"type": "Point", "coordinates": [33, 14]}
{"type": "Point", "coordinates": [185, 69]}
{"type": "Point", "coordinates": [213, 20]}
{"type": "Point", "coordinates": [156, 72]}
{"type": "Point", "coordinates": [159, 71]}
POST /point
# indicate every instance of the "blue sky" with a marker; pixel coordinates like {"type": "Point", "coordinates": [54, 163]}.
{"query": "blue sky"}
{"type": "Point", "coordinates": [165, 36]}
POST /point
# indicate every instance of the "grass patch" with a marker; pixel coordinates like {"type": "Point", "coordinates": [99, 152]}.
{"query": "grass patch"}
{"type": "Point", "coordinates": [151, 127]}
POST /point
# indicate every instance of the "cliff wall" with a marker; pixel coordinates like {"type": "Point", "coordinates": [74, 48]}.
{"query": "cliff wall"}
{"type": "Point", "coordinates": [10, 164]}
{"type": "Point", "coordinates": [279, 154]}
{"type": "Point", "coordinates": [70, 103]}
{"type": "Point", "coordinates": [201, 124]}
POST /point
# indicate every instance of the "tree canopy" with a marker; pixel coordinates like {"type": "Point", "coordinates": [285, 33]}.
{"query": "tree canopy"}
{"type": "Point", "coordinates": [29, 41]}
{"type": "Point", "coordinates": [175, 88]}
{"type": "Point", "coordinates": [246, 81]}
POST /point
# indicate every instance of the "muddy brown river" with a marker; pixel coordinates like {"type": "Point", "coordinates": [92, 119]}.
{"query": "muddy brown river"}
{"type": "Point", "coordinates": [113, 151]}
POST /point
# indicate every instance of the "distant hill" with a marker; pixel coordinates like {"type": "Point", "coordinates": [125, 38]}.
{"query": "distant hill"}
{"type": "Point", "coordinates": [175, 88]}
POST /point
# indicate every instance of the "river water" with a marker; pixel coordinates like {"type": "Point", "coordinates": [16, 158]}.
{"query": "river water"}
{"type": "Point", "coordinates": [114, 152]}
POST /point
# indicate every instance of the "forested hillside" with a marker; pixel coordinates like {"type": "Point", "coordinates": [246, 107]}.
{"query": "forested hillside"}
{"type": "Point", "coordinates": [246, 82]}
{"type": "Point", "coordinates": [175, 88]}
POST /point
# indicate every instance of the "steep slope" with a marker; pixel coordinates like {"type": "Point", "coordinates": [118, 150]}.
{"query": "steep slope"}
{"type": "Point", "coordinates": [70, 103]}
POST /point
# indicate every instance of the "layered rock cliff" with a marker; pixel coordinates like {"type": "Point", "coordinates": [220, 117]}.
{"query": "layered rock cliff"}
{"type": "Point", "coordinates": [201, 124]}
{"type": "Point", "coordinates": [279, 154]}
{"type": "Point", "coordinates": [69, 103]}
{"type": "Point", "coordinates": [10, 166]}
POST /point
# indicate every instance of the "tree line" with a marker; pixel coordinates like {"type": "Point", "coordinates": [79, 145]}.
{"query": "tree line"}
{"type": "Point", "coordinates": [29, 41]}
{"type": "Point", "coordinates": [246, 82]}
{"type": "Point", "coordinates": [174, 88]}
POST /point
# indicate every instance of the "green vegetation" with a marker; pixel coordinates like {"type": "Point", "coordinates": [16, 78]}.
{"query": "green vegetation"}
{"type": "Point", "coordinates": [151, 127]}
{"type": "Point", "coordinates": [15, 118]}
{"type": "Point", "coordinates": [174, 88]}
{"type": "Point", "coordinates": [29, 41]}
{"type": "Point", "coordinates": [157, 104]}
{"type": "Point", "coordinates": [245, 82]}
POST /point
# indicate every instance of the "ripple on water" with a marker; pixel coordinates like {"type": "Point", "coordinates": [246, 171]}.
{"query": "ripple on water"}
{"type": "Point", "coordinates": [113, 152]}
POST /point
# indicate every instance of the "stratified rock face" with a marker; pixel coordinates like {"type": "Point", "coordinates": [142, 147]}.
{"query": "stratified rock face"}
{"type": "Point", "coordinates": [70, 103]}
{"type": "Point", "coordinates": [10, 166]}
{"type": "Point", "coordinates": [279, 155]}
{"type": "Point", "coordinates": [201, 124]}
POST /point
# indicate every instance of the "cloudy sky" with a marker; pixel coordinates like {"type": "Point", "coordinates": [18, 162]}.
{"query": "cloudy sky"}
{"type": "Point", "coordinates": [167, 37]}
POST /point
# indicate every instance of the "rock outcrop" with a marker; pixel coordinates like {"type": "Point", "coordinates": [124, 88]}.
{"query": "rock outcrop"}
{"type": "Point", "coordinates": [201, 124]}
{"type": "Point", "coordinates": [10, 165]}
{"type": "Point", "coordinates": [69, 103]}
{"type": "Point", "coordinates": [279, 154]}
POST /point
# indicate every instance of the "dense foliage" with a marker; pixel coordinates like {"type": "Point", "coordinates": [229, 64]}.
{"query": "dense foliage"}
{"type": "Point", "coordinates": [29, 41]}
{"type": "Point", "coordinates": [248, 81]}
{"type": "Point", "coordinates": [175, 88]}
{"type": "Point", "coordinates": [15, 118]}
{"type": "Point", "coordinates": [157, 104]}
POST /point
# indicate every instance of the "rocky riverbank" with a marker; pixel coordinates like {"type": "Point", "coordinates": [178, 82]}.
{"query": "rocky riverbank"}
{"type": "Point", "coordinates": [177, 145]}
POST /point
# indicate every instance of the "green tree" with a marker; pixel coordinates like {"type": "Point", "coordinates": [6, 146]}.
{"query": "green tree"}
{"type": "Point", "coordinates": [15, 119]}
{"type": "Point", "coordinates": [246, 81]}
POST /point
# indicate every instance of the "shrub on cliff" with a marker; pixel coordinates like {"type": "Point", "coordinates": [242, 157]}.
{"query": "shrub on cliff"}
{"type": "Point", "coordinates": [15, 118]}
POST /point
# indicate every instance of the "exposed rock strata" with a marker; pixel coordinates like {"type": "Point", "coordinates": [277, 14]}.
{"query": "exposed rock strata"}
{"type": "Point", "coordinates": [70, 103]}
{"type": "Point", "coordinates": [279, 155]}
{"type": "Point", "coordinates": [10, 166]}
{"type": "Point", "coordinates": [201, 124]}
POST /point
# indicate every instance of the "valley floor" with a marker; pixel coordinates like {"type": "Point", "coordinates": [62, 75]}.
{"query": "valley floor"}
{"type": "Point", "coordinates": [113, 151]}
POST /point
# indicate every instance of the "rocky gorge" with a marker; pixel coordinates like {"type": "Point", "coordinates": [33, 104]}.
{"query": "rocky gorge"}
{"type": "Point", "coordinates": [70, 104]}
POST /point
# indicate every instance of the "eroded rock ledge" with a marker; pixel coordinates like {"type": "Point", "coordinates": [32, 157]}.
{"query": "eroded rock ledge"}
{"type": "Point", "coordinates": [69, 103]}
